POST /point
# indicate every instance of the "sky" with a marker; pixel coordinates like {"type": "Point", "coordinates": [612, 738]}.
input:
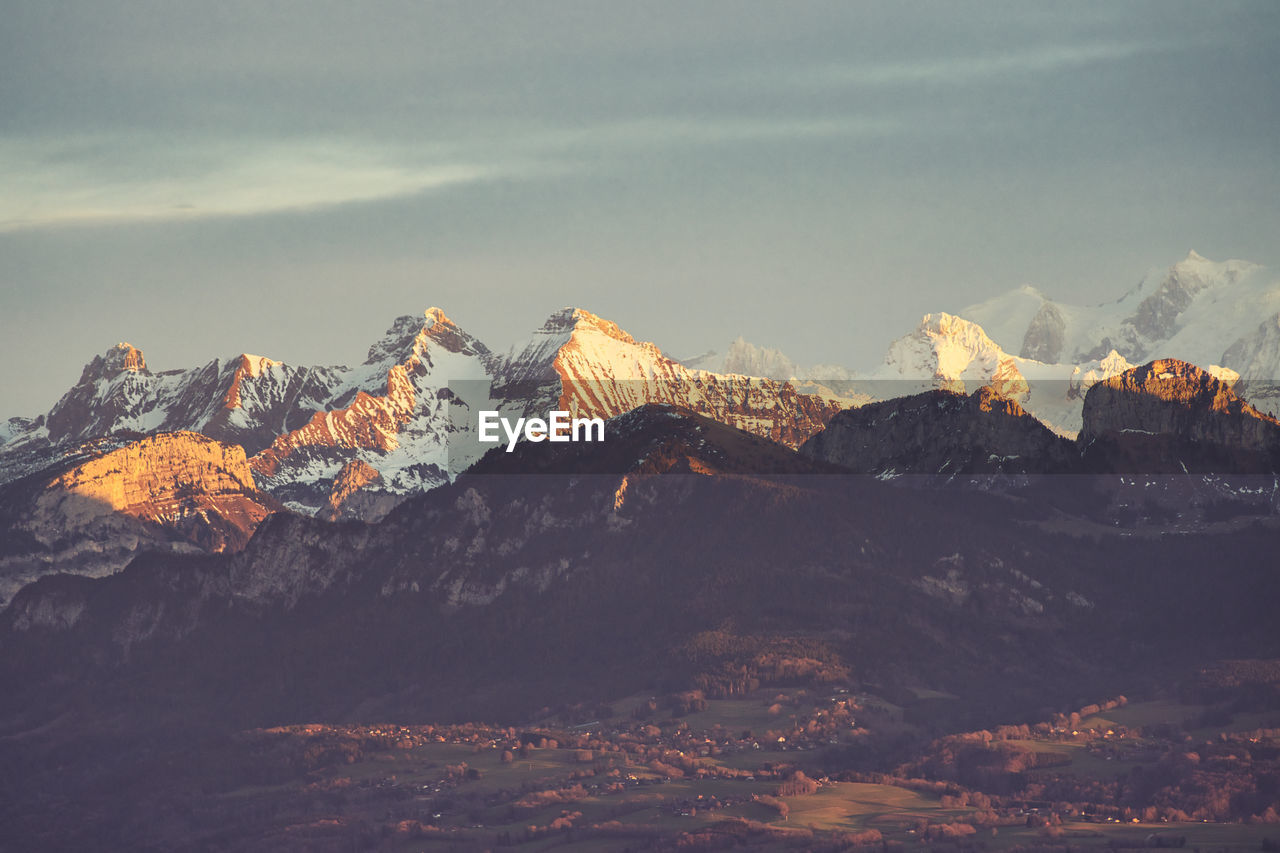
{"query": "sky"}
{"type": "Point", "coordinates": [285, 178]}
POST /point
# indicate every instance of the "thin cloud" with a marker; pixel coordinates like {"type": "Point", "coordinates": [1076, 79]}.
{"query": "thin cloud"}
{"type": "Point", "coordinates": [122, 179]}
{"type": "Point", "coordinates": [44, 184]}
{"type": "Point", "coordinates": [962, 70]}
{"type": "Point", "coordinates": [705, 132]}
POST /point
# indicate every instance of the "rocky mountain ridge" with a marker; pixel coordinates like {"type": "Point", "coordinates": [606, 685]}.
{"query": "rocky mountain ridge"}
{"type": "Point", "coordinates": [1187, 418]}
{"type": "Point", "coordinates": [407, 414]}
{"type": "Point", "coordinates": [944, 433]}
{"type": "Point", "coordinates": [352, 443]}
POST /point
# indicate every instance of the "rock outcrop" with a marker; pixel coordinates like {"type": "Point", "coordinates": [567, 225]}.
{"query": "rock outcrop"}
{"type": "Point", "coordinates": [1045, 335]}
{"type": "Point", "coordinates": [941, 432]}
{"type": "Point", "coordinates": [172, 491]}
{"type": "Point", "coordinates": [153, 478]}
{"type": "Point", "coordinates": [350, 499]}
{"type": "Point", "coordinates": [1170, 414]}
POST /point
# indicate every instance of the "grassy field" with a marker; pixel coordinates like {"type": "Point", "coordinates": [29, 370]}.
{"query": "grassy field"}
{"type": "Point", "coordinates": [856, 806]}
{"type": "Point", "coordinates": [1168, 711]}
{"type": "Point", "coordinates": [1083, 762]}
{"type": "Point", "coordinates": [1140, 714]}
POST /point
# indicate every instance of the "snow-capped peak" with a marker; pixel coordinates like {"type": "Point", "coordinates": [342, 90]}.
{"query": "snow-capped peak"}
{"type": "Point", "coordinates": [1085, 376]}
{"type": "Point", "coordinates": [1195, 307]}
{"type": "Point", "coordinates": [956, 345]}
{"type": "Point", "coordinates": [950, 352]}
{"type": "Point", "coordinates": [590, 339]}
{"type": "Point", "coordinates": [1198, 272]}
{"type": "Point", "coordinates": [747, 359]}
{"type": "Point", "coordinates": [577, 319]}
{"type": "Point", "coordinates": [534, 359]}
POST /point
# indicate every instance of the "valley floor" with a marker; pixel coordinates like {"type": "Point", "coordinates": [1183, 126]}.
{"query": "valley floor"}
{"type": "Point", "coordinates": [779, 769]}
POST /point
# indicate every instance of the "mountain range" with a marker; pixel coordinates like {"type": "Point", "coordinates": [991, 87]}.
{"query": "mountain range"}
{"type": "Point", "coordinates": [199, 565]}
{"type": "Point", "coordinates": [402, 414]}
{"type": "Point", "coordinates": [346, 443]}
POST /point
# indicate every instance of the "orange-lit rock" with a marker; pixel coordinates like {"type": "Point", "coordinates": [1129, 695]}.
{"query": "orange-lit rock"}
{"type": "Point", "coordinates": [349, 498]}
{"type": "Point", "coordinates": [171, 491]}
{"type": "Point", "coordinates": [1175, 397]}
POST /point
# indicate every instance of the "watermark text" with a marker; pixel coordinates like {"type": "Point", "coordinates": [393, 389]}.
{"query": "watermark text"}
{"type": "Point", "coordinates": [557, 426]}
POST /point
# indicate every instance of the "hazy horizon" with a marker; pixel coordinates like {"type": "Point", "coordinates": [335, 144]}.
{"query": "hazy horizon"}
{"type": "Point", "coordinates": [286, 180]}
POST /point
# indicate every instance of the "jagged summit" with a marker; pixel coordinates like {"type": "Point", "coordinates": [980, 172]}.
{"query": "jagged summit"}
{"type": "Point", "coordinates": [125, 356]}
{"type": "Point", "coordinates": [117, 359]}
{"type": "Point", "coordinates": [942, 323]}
{"type": "Point", "coordinates": [570, 318]}
{"type": "Point", "coordinates": [254, 364]}
{"type": "Point", "coordinates": [569, 329]}
{"type": "Point", "coordinates": [747, 359]}
{"type": "Point", "coordinates": [1173, 396]}
{"type": "Point", "coordinates": [409, 336]}
{"type": "Point", "coordinates": [110, 395]}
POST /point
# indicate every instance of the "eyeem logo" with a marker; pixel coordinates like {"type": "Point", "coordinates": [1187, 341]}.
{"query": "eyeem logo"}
{"type": "Point", "coordinates": [557, 427]}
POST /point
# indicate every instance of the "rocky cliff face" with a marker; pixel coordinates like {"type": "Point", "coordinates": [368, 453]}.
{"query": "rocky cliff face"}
{"type": "Point", "coordinates": [173, 491]}
{"type": "Point", "coordinates": [356, 495]}
{"type": "Point", "coordinates": [1176, 397]}
{"type": "Point", "coordinates": [941, 432]}
{"type": "Point", "coordinates": [1196, 417]}
{"type": "Point", "coordinates": [1045, 335]}
{"type": "Point", "coordinates": [249, 400]}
